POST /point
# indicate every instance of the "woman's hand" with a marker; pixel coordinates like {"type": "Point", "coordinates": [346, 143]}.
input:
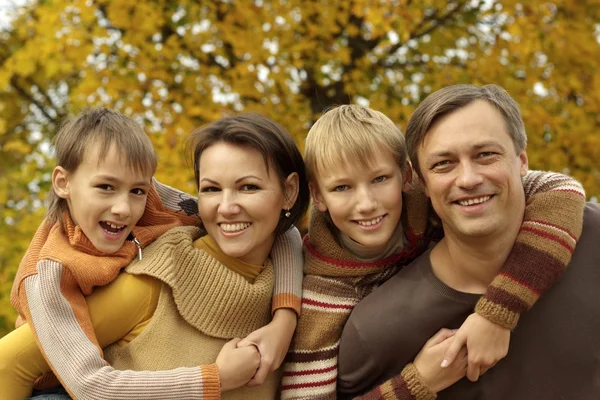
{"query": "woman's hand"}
{"type": "Point", "coordinates": [272, 341]}
{"type": "Point", "coordinates": [236, 365]}
{"type": "Point", "coordinates": [430, 357]}
{"type": "Point", "coordinates": [486, 342]}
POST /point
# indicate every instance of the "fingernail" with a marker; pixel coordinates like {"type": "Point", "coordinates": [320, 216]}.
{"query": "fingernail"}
{"type": "Point", "coordinates": [444, 364]}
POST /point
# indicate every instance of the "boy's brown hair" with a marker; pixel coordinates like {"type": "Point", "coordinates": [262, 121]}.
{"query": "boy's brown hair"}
{"type": "Point", "coordinates": [99, 129]}
{"type": "Point", "coordinates": [351, 133]}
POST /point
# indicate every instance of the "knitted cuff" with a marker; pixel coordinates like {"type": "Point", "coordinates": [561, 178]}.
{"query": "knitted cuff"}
{"type": "Point", "coordinates": [415, 383]}
{"type": "Point", "coordinates": [286, 300]}
{"type": "Point", "coordinates": [211, 383]}
{"type": "Point", "coordinates": [496, 313]}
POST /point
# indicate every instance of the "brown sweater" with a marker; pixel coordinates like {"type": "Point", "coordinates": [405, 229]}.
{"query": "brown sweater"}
{"type": "Point", "coordinates": [554, 351]}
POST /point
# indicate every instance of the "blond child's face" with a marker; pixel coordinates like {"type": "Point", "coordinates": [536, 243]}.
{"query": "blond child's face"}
{"type": "Point", "coordinates": [364, 202]}
{"type": "Point", "coordinates": [106, 198]}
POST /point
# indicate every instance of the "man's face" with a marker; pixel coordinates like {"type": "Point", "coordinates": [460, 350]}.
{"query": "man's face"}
{"type": "Point", "coordinates": [472, 172]}
{"type": "Point", "coordinates": [364, 201]}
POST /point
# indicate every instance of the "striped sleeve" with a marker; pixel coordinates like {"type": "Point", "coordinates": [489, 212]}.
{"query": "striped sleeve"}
{"type": "Point", "coordinates": [552, 224]}
{"type": "Point", "coordinates": [78, 363]}
{"type": "Point", "coordinates": [288, 262]}
{"type": "Point", "coordinates": [407, 385]}
{"type": "Point", "coordinates": [310, 370]}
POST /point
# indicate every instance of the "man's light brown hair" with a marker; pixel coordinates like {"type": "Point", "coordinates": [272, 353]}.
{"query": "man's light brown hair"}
{"type": "Point", "coordinates": [351, 133]}
{"type": "Point", "coordinates": [452, 98]}
{"type": "Point", "coordinates": [98, 129]}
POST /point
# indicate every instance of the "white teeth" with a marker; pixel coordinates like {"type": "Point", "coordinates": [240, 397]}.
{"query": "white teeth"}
{"type": "Point", "coordinates": [234, 227]}
{"type": "Point", "coordinates": [115, 226]}
{"type": "Point", "coordinates": [371, 222]}
{"type": "Point", "coordinates": [470, 202]}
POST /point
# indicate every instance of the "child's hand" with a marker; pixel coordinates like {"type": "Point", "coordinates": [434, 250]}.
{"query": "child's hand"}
{"type": "Point", "coordinates": [236, 365]}
{"type": "Point", "coordinates": [429, 358]}
{"type": "Point", "coordinates": [487, 343]}
{"type": "Point", "coordinates": [272, 341]}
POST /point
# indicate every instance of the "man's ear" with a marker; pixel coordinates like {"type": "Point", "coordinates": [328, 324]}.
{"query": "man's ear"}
{"type": "Point", "coordinates": [60, 182]}
{"type": "Point", "coordinates": [317, 198]}
{"type": "Point", "coordinates": [291, 189]}
{"type": "Point", "coordinates": [407, 177]}
{"type": "Point", "coordinates": [524, 162]}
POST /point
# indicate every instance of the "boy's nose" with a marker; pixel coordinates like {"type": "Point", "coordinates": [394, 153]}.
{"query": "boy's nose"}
{"type": "Point", "coordinates": [366, 201]}
{"type": "Point", "coordinates": [122, 208]}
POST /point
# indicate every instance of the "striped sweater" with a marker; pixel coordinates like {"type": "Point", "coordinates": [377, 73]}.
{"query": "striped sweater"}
{"type": "Point", "coordinates": [336, 281]}
{"type": "Point", "coordinates": [61, 267]}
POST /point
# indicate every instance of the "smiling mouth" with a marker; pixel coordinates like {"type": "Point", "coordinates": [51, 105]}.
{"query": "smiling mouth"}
{"type": "Point", "coordinates": [475, 201]}
{"type": "Point", "coordinates": [370, 222]}
{"type": "Point", "coordinates": [111, 228]}
{"type": "Point", "coordinates": [233, 228]}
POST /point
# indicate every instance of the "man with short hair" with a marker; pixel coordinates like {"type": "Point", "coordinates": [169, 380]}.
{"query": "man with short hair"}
{"type": "Point", "coordinates": [467, 144]}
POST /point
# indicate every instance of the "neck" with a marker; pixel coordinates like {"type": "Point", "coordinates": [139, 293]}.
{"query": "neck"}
{"type": "Point", "coordinates": [470, 264]}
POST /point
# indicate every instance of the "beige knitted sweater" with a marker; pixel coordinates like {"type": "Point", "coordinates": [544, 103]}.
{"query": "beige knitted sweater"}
{"type": "Point", "coordinates": [202, 305]}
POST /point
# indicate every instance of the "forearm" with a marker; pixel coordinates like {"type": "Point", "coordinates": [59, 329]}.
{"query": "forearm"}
{"type": "Point", "coordinates": [311, 369]}
{"type": "Point", "coordinates": [78, 364]}
{"type": "Point", "coordinates": [552, 225]}
{"type": "Point", "coordinates": [181, 204]}
{"type": "Point", "coordinates": [288, 262]}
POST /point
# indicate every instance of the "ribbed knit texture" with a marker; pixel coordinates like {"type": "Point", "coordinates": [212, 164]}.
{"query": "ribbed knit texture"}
{"type": "Point", "coordinates": [551, 227]}
{"type": "Point", "coordinates": [209, 296]}
{"type": "Point", "coordinates": [552, 224]}
{"type": "Point", "coordinates": [408, 386]}
{"type": "Point", "coordinates": [198, 311]}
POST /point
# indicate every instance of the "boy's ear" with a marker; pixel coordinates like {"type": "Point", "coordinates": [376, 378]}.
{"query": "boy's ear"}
{"type": "Point", "coordinates": [407, 177]}
{"type": "Point", "coordinates": [291, 189]}
{"type": "Point", "coordinates": [60, 182]}
{"type": "Point", "coordinates": [316, 197]}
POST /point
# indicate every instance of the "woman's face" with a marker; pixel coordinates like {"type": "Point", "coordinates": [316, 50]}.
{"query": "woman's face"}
{"type": "Point", "coordinates": [239, 202]}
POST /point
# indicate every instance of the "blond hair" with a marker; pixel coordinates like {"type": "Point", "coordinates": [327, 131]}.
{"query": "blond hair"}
{"type": "Point", "coordinates": [98, 127]}
{"type": "Point", "coordinates": [351, 133]}
{"type": "Point", "coordinates": [455, 97]}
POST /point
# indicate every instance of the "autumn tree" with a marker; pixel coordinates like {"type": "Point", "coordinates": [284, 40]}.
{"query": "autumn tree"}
{"type": "Point", "coordinates": [176, 65]}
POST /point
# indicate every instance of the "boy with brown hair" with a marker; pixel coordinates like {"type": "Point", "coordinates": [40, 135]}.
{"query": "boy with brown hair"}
{"type": "Point", "coordinates": [371, 217]}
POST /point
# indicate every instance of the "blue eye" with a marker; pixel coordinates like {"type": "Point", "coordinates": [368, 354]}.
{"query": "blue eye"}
{"type": "Point", "coordinates": [380, 179]}
{"type": "Point", "coordinates": [340, 188]}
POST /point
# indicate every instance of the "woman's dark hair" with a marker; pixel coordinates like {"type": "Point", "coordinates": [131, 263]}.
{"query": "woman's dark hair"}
{"type": "Point", "coordinates": [269, 139]}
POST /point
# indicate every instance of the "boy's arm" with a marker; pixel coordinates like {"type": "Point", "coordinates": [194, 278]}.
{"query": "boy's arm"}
{"type": "Point", "coordinates": [78, 363]}
{"type": "Point", "coordinates": [552, 224]}
{"type": "Point", "coordinates": [115, 310]}
{"type": "Point", "coordinates": [310, 369]}
{"type": "Point", "coordinates": [181, 204]}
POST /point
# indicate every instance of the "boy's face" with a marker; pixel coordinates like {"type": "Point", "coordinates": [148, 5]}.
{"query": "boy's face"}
{"type": "Point", "coordinates": [364, 202]}
{"type": "Point", "coordinates": [106, 198]}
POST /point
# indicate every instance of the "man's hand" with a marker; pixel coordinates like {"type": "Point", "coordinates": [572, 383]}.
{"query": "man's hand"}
{"type": "Point", "coordinates": [272, 341]}
{"type": "Point", "coordinates": [429, 358]}
{"type": "Point", "coordinates": [486, 342]}
{"type": "Point", "coordinates": [236, 365]}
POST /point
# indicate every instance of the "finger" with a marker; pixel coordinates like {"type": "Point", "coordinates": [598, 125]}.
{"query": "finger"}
{"type": "Point", "coordinates": [232, 343]}
{"type": "Point", "coordinates": [457, 343]}
{"type": "Point", "coordinates": [245, 342]}
{"type": "Point", "coordinates": [473, 372]}
{"type": "Point", "coordinates": [261, 374]}
{"type": "Point", "coordinates": [483, 371]}
{"type": "Point", "coordinates": [440, 336]}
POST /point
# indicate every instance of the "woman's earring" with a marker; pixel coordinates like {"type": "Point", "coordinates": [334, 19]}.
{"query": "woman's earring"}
{"type": "Point", "coordinates": [288, 213]}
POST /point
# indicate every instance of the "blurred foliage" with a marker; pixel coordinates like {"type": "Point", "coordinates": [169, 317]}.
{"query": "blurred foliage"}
{"type": "Point", "coordinates": [176, 65]}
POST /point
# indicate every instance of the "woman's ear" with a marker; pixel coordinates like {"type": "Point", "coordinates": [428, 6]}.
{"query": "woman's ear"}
{"type": "Point", "coordinates": [60, 182]}
{"type": "Point", "coordinates": [291, 188]}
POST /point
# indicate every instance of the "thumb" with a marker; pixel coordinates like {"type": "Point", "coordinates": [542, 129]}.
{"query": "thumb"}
{"type": "Point", "coordinates": [452, 351]}
{"type": "Point", "coordinates": [233, 343]}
